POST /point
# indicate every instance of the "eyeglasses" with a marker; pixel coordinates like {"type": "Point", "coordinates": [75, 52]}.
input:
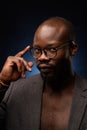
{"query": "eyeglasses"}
{"type": "Point", "coordinates": [50, 52]}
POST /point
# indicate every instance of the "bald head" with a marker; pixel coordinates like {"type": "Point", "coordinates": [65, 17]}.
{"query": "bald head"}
{"type": "Point", "coordinates": [57, 28]}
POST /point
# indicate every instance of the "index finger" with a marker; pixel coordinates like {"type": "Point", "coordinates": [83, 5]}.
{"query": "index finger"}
{"type": "Point", "coordinates": [21, 53]}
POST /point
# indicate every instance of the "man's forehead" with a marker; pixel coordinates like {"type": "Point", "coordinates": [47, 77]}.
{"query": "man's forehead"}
{"type": "Point", "coordinates": [50, 32]}
{"type": "Point", "coordinates": [46, 30]}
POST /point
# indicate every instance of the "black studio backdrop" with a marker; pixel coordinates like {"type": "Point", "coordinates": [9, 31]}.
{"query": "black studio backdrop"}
{"type": "Point", "coordinates": [19, 20]}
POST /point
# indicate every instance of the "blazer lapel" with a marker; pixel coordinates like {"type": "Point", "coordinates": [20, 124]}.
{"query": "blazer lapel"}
{"type": "Point", "coordinates": [36, 103]}
{"type": "Point", "coordinates": [78, 104]}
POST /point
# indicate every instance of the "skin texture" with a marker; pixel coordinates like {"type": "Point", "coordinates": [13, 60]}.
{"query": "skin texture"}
{"type": "Point", "coordinates": [57, 72]}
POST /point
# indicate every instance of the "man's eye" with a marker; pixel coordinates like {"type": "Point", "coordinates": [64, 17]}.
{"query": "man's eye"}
{"type": "Point", "coordinates": [52, 49]}
{"type": "Point", "coordinates": [37, 50]}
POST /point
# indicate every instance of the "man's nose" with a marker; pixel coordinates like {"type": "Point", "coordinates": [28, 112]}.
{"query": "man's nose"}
{"type": "Point", "coordinates": [43, 56]}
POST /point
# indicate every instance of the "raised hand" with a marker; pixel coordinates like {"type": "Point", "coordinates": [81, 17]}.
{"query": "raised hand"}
{"type": "Point", "coordinates": [15, 67]}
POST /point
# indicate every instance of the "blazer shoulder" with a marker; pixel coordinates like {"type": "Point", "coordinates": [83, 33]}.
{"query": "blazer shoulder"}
{"type": "Point", "coordinates": [27, 81]}
{"type": "Point", "coordinates": [81, 82]}
{"type": "Point", "coordinates": [25, 86]}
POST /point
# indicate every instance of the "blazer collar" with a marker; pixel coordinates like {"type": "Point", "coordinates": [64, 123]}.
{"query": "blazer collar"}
{"type": "Point", "coordinates": [79, 103]}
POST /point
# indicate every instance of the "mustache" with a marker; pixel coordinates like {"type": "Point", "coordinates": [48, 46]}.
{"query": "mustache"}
{"type": "Point", "coordinates": [44, 65]}
{"type": "Point", "coordinates": [43, 62]}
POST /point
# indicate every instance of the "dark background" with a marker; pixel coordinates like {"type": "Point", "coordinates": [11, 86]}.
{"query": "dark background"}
{"type": "Point", "coordinates": [19, 20]}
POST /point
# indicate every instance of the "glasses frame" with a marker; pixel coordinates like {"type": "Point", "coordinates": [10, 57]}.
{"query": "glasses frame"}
{"type": "Point", "coordinates": [64, 44]}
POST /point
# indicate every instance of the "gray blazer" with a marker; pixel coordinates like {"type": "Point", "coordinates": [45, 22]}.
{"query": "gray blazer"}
{"type": "Point", "coordinates": [21, 106]}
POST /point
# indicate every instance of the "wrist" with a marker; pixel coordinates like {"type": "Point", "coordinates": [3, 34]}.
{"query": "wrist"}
{"type": "Point", "coordinates": [4, 83]}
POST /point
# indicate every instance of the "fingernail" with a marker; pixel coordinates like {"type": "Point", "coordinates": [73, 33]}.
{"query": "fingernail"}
{"type": "Point", "coordinates": [28, 68]}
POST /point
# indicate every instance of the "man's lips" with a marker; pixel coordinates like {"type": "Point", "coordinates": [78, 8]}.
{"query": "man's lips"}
{"type": "Point", "coordinates": [44, 68]}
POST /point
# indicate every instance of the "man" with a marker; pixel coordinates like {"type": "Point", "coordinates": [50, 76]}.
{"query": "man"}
{"type": "Point", "coordinates": [55, 99]}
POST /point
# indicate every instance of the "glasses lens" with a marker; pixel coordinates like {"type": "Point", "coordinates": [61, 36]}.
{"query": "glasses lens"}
{"type": "Point", "coordinates": [50, 53]}
{"type": "Point", "coordinates": [36, 52]}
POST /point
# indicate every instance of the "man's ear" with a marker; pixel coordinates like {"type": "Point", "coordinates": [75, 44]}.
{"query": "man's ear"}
{"type": "Point", "coordinates": [73, 48]}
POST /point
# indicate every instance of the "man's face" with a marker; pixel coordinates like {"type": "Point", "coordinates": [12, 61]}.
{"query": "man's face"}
{"type": "Point", "coordinates": [47, 37]}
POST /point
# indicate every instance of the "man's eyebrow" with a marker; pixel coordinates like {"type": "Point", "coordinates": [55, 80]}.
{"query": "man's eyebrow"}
{"type": "Point", "coordinates": [49, 45]}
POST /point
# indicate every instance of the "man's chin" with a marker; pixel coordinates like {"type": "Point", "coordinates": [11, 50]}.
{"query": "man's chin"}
{"type": "Point", "coordinates": [47, 75]}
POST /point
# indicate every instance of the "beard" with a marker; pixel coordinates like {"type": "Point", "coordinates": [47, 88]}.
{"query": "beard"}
{"type": "Point", "coordinates": [57, 71]}
{"type": "Point", "coordinates": [58, 76]}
